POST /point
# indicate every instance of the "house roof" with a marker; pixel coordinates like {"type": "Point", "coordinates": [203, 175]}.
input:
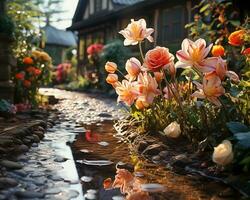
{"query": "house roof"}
{"type": "Point", "coordinates": [59, 37]}
{"type": "Point", "coordinates": [121, 7]}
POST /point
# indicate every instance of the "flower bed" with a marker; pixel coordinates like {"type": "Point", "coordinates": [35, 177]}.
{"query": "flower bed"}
{"type": "Point", "coordinates": [196, 103]}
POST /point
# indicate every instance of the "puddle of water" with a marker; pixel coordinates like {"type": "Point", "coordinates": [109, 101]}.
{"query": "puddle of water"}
{"type": "Point", "coordinates": [176, 186]}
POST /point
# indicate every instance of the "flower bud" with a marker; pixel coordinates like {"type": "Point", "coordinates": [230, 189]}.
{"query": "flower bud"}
{"type": "Point", "coordinates": [112, 78]}
{"type": "Point", "coordinates": [133, 67]}
{"type": "Point", "coordinates": [218, 50]}
{"type": "Point", "coordinates": [110, 67]}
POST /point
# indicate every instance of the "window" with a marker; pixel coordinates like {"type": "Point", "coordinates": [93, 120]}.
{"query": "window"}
{"type": "Point", "coordinates": [98, 5]}
{"type": "Point", "coordinates": [172, 25]}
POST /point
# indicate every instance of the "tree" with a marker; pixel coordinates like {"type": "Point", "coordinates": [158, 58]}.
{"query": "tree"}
{"type": "Point", "coordinates": [50, 10]}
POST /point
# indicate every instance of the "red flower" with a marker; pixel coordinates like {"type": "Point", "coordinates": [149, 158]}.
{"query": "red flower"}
{"type": "Point", "coordinates": [26, 83]}
{"type": "Point", "coordinates": [246, 52]}
{"type": "Point", "coordinates": [37, 72]}
{"type": "Point", "coordinates": [94, 49]}
{"type": "Point", "coordinates": [30, 69]}
{"type": "Point", "coordinates": [28, 61]}
{"type": "Point", "coordinates": [19, 76]}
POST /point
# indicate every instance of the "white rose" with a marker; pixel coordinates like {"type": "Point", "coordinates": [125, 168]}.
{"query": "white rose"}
{"type": "Point", "coordinates": [223, 153]}
{"type": "Point", "coordinates": [173, 130]}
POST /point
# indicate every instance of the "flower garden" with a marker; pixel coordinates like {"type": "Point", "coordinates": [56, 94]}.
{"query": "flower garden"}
{"type": "Point", "coordinates": [164, 119]}
{"type": "Point", "coordinates": [190, 96]}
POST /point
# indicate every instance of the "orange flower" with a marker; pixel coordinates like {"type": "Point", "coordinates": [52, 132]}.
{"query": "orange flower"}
{"type": "Point", "coordinates": [123, 180]}
{"type": "Point", "coordinates": [19, 76]}
{"type": "Point", "coordinates": [110, 67]}
{"type": "Point", "coordinates": [246, 52]}
{"type": "Point", "coordinates": [158, 76]}
{"type": "Point", "coordinates": [210, 89]}
{"type": "Point", "coordinates": [112, 79]}
{"type": "Point", "coordinates": [158, 58]}
{"type": "Point", "coordinates": [236, 38]}
{"type": "Point", "coordinates": [136, 32]}
{"type": "Point", "coordinates": [147, 87]}
{"type": "Point", "coordinates": [218, 50]}
{"type": "Point", "coordinates": [127, 92]}
{"type": "Point", "coordinates": [28, 61]}
{"type": "Point", "coordinates": [26, 83]}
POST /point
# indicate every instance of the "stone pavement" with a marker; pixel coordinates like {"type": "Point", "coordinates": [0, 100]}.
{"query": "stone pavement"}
{"type": "Point", "coordinates": [47, 170]}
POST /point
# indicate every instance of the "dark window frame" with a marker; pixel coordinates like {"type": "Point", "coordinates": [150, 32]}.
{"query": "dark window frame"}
{"type": "Point", "coordinates": [99, 8]}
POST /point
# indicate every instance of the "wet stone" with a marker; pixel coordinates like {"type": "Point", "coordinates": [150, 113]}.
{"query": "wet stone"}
{"type": "Point", "coordinates": [55, 178]}
{"type": "Point", "coordinates": [7, 182]}
{"type": "Point", "coordinates": [153, 149]}
{"type": "Point", "coordinates": [22, 148]}
{"type": "Point", "coordinates": [60, 159]}
{"type": "Point", "coordinates": [105, 115]}
{"type": "Point", "coordinates": [52, 191]}
{"type": "Point", "coordinates": [163, 154]}
{"type": "Point", "coordinates": [29, 194]}
{"type": "Point", "coordinates": [20, 173]}
{"type": "Point", "coordinates": [10, 164]}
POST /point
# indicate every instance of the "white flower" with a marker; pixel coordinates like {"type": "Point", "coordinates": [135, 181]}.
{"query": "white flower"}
{"type": "Point", "coordinates": [223, 153]}
{"type": "Point", "coordinates": [173, 130]}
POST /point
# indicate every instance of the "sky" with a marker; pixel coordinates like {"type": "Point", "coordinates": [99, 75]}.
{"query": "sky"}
{"type": "Point", "coordinates": [69, 7]}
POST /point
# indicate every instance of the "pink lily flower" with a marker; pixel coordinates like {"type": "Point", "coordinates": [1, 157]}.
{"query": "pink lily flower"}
{"type": "Point", "coordinates": [136, 32]}
{"type": "Point", "coordinates": [210, 89]}
{"type": "Point", "coordinates": [193, 54]}
{"type": "Point", "coordinates": [220, 67]}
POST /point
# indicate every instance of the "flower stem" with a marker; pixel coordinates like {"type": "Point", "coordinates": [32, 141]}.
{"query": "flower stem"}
{"type": "Point", "coordinates": [141, 52]}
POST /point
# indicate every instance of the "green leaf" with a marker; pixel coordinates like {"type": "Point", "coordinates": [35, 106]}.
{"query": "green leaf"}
{"type": "Point", "coordinates": [236, 127]}
{"type": "Point", "coordinates": [204, 8]}
{"type": "Point", "coordinates": [245, 161]}
{"type": "Point", "coordinates": [234, 91]}
{"type": "Point", "coordinates": [243, 140]}
{"type": "Point", "coordinates": [234, 22]}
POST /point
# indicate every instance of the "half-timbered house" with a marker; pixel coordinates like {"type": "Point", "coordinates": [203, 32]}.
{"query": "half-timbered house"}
{"type": "Point", "coordinates": [98, 21]}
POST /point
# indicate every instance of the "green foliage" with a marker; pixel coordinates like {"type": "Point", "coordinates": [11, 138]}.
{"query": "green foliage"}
{"type": "Point", "coordinates": [113, 51]}
{"type": "Point", "coordinates": [24, 16]}
{"type": "Point", "coordinates": [6, 25]}
{"type": "Point", "coordinates": [214, 21]}
{"type": "Point", "coordinates": [49, 8]}
{"type": "Point", "coordinates": [80, 84]}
